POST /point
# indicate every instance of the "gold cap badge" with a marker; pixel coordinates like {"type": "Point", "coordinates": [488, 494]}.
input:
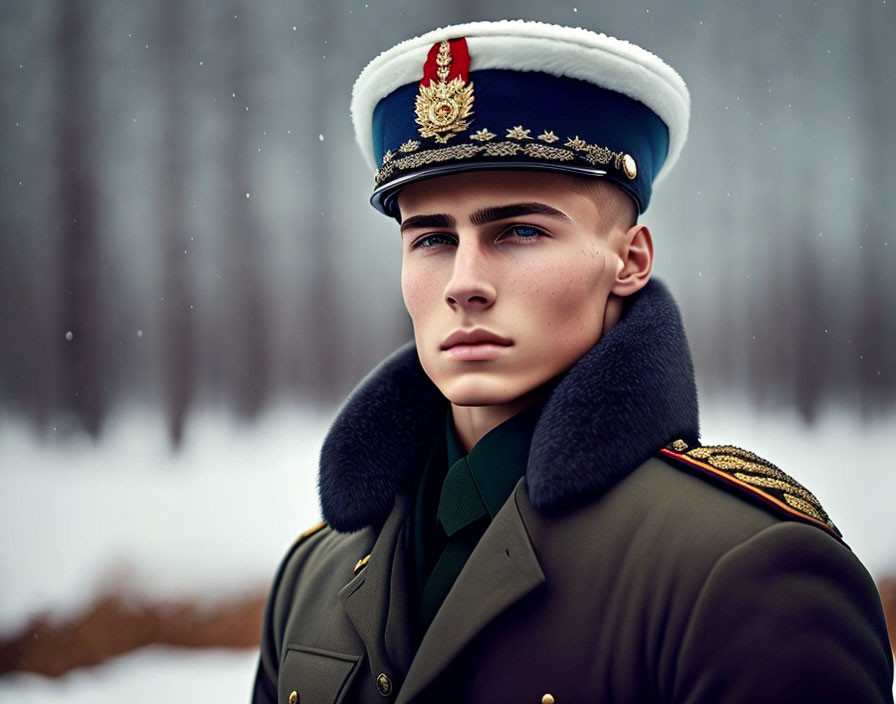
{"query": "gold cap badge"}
{"type": "Point", "coordinates": [444, 105]}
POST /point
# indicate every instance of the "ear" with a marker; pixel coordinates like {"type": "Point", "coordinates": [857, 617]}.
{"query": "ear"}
{"type": "Point", "coordinates": [637, 261]}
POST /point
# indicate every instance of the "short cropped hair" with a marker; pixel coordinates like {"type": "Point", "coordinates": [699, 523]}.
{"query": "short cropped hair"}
{"type": "Point", "coordinates": [616, 205]}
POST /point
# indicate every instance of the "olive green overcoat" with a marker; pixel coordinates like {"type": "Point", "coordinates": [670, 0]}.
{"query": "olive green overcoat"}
{"type": "Point", "coordinates": [667, 589]}
{"type": "Point", "coordinates": [619, 570]}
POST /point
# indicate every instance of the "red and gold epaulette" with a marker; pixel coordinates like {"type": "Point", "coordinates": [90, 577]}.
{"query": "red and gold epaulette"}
{"type": "Point", "coordinates": [750, 474]}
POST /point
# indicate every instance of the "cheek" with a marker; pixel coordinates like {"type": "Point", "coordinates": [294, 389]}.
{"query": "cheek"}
{"type": "Point", "coordinates": [422, 295]}
{"type": "Point", "coordinates": [566, 316]}
{"type": "Point", "coordinates": [417, 290]}
{"type": "Point", "coordinates": [573, 291]}
{"type": "Point", "coordinates": [413, 288]}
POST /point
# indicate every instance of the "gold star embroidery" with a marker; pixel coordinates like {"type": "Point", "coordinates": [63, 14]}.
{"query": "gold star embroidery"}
{"type": "Point", "coordinates": [409, 146]}
{"type": "Point", "coordinates": [548, 136]}
{"type": "Point", "coordinates": [518, 133]}
{"type": "Point", "coordinates": [576, 143]}
{"type": "Point", "coordinates": [387, 157]}
{"type": "Point", "coordinates": [483, 135]}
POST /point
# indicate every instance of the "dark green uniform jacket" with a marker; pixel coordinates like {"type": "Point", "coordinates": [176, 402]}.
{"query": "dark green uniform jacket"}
{"type": "Point", "coordinates": [623, 568]}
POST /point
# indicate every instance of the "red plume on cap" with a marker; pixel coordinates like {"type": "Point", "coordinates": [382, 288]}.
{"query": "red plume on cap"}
{"type": "Point", "coordinates": [460, 62]}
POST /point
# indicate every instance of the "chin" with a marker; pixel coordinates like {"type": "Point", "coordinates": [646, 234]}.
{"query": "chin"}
{"type": "Point", "coordinates": [474, 389]}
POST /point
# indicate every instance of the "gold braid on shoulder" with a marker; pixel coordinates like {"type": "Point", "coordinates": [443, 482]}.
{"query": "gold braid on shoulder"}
{"type": "Point", "coordinates": [308, 533]}
{"type": "Point", "coordinates": [761, 478]}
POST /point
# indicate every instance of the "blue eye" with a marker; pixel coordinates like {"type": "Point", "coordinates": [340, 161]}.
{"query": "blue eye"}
{"type": "Point", "coordinates": [524, 232]}
{"type": "Point", "coordinates": [433, 241]}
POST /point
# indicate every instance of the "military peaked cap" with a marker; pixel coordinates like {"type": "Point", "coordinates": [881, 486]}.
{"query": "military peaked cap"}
{"type": "Point", "coordinates": [519, 95]}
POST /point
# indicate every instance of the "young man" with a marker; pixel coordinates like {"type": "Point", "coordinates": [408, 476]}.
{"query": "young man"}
{"type": "Point", "coordinates": [518, 506]}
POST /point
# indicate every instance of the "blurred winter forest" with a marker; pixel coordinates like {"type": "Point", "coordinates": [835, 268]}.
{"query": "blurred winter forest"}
{"type": "Point", "coordinates": [184, 218]}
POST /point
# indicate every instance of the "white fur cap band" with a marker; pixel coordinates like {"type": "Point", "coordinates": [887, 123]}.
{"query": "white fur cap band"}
{"type": "Point", "coordinates": [520, 45]}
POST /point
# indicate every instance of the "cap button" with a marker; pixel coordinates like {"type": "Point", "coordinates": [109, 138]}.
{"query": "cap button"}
{"type": "Point", "coordinates": [629, 166]}
{"type": "Point", "coordinates": [293, 697]}
{"type": "Point", "coordinates": [547, 699]}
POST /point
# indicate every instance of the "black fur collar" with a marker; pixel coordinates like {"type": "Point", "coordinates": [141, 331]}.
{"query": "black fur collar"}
{"type": "Point", "coordinates": [630, 395]}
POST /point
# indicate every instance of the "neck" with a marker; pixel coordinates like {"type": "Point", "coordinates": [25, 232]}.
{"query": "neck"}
{"type": "Point", "coordinates": [473, 422]}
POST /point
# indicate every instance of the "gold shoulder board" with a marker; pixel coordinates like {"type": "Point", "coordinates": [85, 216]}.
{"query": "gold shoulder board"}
{"type": "Point", "coordinates": [308, 533]}
{"type": "Point", "coordinates": [755, 476]}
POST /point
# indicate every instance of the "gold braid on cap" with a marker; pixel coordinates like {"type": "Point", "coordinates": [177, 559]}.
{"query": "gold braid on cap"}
{"type": "Point", "coordinates": [517, 142]}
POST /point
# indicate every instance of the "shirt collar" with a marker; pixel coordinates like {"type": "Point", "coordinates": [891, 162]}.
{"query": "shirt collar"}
{"type": "Point", "coordinates": [499, 459]}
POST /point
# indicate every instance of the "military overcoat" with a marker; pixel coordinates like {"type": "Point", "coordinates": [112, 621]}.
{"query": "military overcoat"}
{"type": "Point", "coordinates": [623, 568]}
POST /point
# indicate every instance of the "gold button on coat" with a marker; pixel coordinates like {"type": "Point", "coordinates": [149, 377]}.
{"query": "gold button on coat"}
{"type": "Point", "coordinates": [547, 699]}
{"type": "Point", "coordinates": [679, 445]}
{"type": "Point", "coordinates": [384, 684]}
{"type": "Point", "coordinates": [361, 564]}
{"type": "Point", "coordinates": [293, 697]}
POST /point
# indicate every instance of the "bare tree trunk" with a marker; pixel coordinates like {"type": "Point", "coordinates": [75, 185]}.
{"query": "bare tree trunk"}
{"type": "Point", "coordinates": [81, 392]}
{"type": "Point", "coordinates": [19, 364]}
{"type": "Point", "coordinates": [177, 312]}
{"type": "Point", "coordinates": [876, 333]}
{"type": "Point", "coordinates": [249, 328]}
{"type": "Point", "coordinates": [322, 294]}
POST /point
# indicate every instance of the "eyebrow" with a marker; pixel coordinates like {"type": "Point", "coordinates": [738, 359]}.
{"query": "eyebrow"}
{"type": "Point", "coordinates": [439, 220]}
{"type": "Point", "coordinates": [483, 216]}
{"type": "Point", "coordinates": [502, 212]}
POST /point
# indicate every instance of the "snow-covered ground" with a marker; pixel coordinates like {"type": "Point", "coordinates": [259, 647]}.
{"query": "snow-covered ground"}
{"type": "Point", "coordinates": [152, 675]}
{"type": "Point", "coordinates": [212, 521]}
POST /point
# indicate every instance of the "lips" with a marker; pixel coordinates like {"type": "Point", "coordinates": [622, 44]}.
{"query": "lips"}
{"type": "Point", "coordinates": [477, 336]}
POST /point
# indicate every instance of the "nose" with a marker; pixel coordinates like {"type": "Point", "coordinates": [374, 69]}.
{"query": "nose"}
{"type": "Point", "coordinates": [470, 285]}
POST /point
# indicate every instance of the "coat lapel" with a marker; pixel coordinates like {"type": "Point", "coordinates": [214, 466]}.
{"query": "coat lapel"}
{"type": "Point", "coordinates": [376, 600]}
{"type": "Point", "coordinates": [502, 570]}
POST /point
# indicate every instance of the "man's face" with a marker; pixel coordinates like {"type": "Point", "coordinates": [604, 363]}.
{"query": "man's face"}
{"type": "Point", "coordinates": [524, 258]}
